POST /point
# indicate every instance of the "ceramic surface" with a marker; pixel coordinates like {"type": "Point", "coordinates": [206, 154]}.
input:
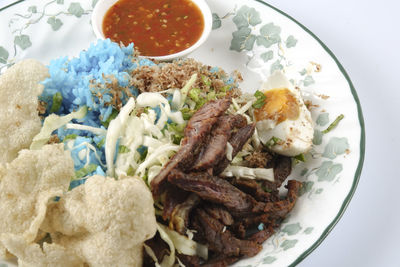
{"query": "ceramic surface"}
{"type": "Point", "coordinates": [255, 39]}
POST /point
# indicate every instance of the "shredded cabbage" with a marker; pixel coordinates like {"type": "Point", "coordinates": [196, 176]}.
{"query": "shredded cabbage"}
{"type": "Point", "coordinates": [160, 137]}
{"type": "Point", "coordinates": [183, 244]}
{"type": "Point", "coordinates": [180, 243]}
{"type": "Point", "coordinates": [95, 130]}
{"type": "Point", "coordinates": [156, 99]}
{"type": "Point", "coordinates": [250, 173]}
{"type": "Point", "coordinates": [176, 99]}
{"type": "Point", "coordinates": [152, 255]}
{"type": "Point", "coordinates": [113, 133]}
{"type": "Point", "coordinates": [52, 123]}
{"type": "Point", "coordinates": [185, 89]}
{"type": "Point", "coordinates": [132, 138]}
{"type": "Point", "coordinates": [229, 151]}
{"type": "Point", "coordinates": [168, 260]}
{"type": "Point", "coordinates": [164, 150]}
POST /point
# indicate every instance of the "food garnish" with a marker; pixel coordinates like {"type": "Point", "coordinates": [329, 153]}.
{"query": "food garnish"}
{"type": "Point", "coordinates": [333, 124]}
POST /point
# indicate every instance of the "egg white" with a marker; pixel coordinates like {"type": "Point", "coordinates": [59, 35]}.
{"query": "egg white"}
{"type": "Point", "coordinates": [295, 135]}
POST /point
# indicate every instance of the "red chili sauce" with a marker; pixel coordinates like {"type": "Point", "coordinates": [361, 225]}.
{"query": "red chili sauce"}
{"type": "Point", "coordinates": [156, 27]}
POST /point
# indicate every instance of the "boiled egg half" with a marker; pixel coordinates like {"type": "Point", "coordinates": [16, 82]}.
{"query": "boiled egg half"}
{"type": "Point", "coordinates": [284, 123]}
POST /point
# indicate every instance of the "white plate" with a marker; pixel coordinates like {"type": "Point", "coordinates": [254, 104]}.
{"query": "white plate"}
{"type": "Point", "coordinates": [254, 38]}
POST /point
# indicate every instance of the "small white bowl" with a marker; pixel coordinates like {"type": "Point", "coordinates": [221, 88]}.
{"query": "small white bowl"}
{"type": "Point", "coordinates": [103, 6]}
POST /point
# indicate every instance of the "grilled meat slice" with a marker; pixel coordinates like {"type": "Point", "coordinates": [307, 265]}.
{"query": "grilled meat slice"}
{"type": "Point", "coordinates": [221, 240]}
{"type": "Point", "coordinates": [280, 209]}
{"type": "Point", "coordinates": [237, 141]}
{"type": "Point", "coordinates": [220, 213]}
{"type": "Point", "coordinates": [180, 215]}
{"type": "Point", "coordinates": [216, 190]}
{"type": "Point", "coordinates": [282, 168]}
{"type": "Point", "coordinates": [254, 189]}
{"type": "Point", "coordinates": [195, 132]}
{"type": "Point", "coordinates": [215, 150]}
{"type": "Point", "coordinates": [173, 197]}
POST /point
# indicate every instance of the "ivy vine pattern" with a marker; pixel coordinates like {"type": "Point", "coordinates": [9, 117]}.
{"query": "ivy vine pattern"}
{"type": "Point", "coordinates": [285, 239]}
{"type": "Point", "coordinates": [20, 22]}
{"type": "Point", "coordinates": [329, 170]}
{"type": "Point", "coordinates": [252, 33]}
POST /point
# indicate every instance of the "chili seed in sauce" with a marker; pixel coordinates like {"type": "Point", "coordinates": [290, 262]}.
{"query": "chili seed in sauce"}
{"type": "Point", "coordinates": [129, 20]}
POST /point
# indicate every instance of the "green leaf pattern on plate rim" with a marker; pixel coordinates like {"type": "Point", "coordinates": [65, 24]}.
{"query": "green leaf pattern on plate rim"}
{"type": "Point", "coordinates": [38, 15]}
{"type": "Point", "coordinates": [251, 31]}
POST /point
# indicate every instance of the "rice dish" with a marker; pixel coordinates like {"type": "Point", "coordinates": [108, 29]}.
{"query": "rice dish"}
{"type": "Point", "coordinates": [180, 136]}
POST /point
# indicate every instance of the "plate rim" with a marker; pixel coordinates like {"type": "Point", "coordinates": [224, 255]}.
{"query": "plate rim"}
{"type": "Point", "coordinates": [357, 174]}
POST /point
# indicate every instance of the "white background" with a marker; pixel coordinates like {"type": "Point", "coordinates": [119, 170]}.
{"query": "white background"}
{"type": "Point", "coordinates": [365, 37]}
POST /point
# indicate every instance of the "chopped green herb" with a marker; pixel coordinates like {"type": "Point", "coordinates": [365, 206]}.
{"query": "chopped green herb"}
{"type": "Point", "coordinates": [220, 95]}
{"type": "Point", "coordinates": [200, 103]}
{"type": "Point", "coordinates": [70, 137]}
{"type": "Point", "coordinates": [85, 171]}
{"type": "Point", "coordinates": [260, 99]}
{"type": "Point", "coordinates": [273, 141]}
{"type": "Point", "coordinates": [143, 152]}
{"type": "Point", "coordinates": [188, 85]}
{"type": "Point", "coordinates": [101, 143]}
{"type": "Point", "coordinates": [112, 116]}
{"type": "Point", "coordinates": [130, 171]}
{"type": "Point", "coordinates": [206, 81]}
{"type": "Point", "coordinates": [225, 88]}
{"type": "Point", "coordinates": [146, 177]}
{"type": "Point", "coordinates": [177, 128]}
{"type": "Point", "coordinates": [333, 124]}
{"type": "Point", "coordinates": [57, 101]}
{"type": "Point", "coordinates": [266, 189]}
{"type": "Point", "coordinates": [300, 157]}
{"type": "Point", "coordinates": [187, 113]}
{"type": "Point", "coordinates": [211, 95]}
{"type": "Point", "coordinates": [146, 110]}
{"type": "Point", "coordinates": [123, 149]}
{"type": "Point", "coordinates": [176, 139]}
{"type": "Point", "coordinates": [194, 94]}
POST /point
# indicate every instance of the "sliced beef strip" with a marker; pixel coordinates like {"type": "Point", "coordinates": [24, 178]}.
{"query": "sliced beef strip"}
{"type": "Point", "coordinates": [195, 132]}
{"type": "Point", "coordinates": [189, 261]}
{"type": "Point", "coordinates": [159, 247]}
{"type": "Point", "coordinates": [262, 235]}
{"type": "Point", "coordinates": [221, 240]}
{"type": "Point", "coordinates": [159, 183]}
{"type": "Point", "coordinates": [258, 159]}
{"type": "Point", "coordinates": [254, 189]}
{"type": "Point", "coordinates": [201, 123]}
{"type": "Point", "coordinates": [215, 150]}
{"type": "Point", "coordinates": [239, 230]}
{"type": "Point", "coordinates": [245, 226]}
{"type": "Point", "coordinates": [281, 208]}
{"type": "Point", "coordinates": [282, 168]}
{"type": "Point", "coordinates": [220, 213]}
{"type": "Point", "coordinates": [180, 216]}
{"type": "Point", "coordinates": [173, 197]}
{"type": "Point", "coordinates": [216, 190]}
{"type": "Point", "coordinates": [237, 141]}
{"type": "Point", "coordinates": [273, 212]}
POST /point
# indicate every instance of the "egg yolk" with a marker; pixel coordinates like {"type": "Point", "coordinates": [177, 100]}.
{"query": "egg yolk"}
{"type": "Point", "coordinates": [280, 105]}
